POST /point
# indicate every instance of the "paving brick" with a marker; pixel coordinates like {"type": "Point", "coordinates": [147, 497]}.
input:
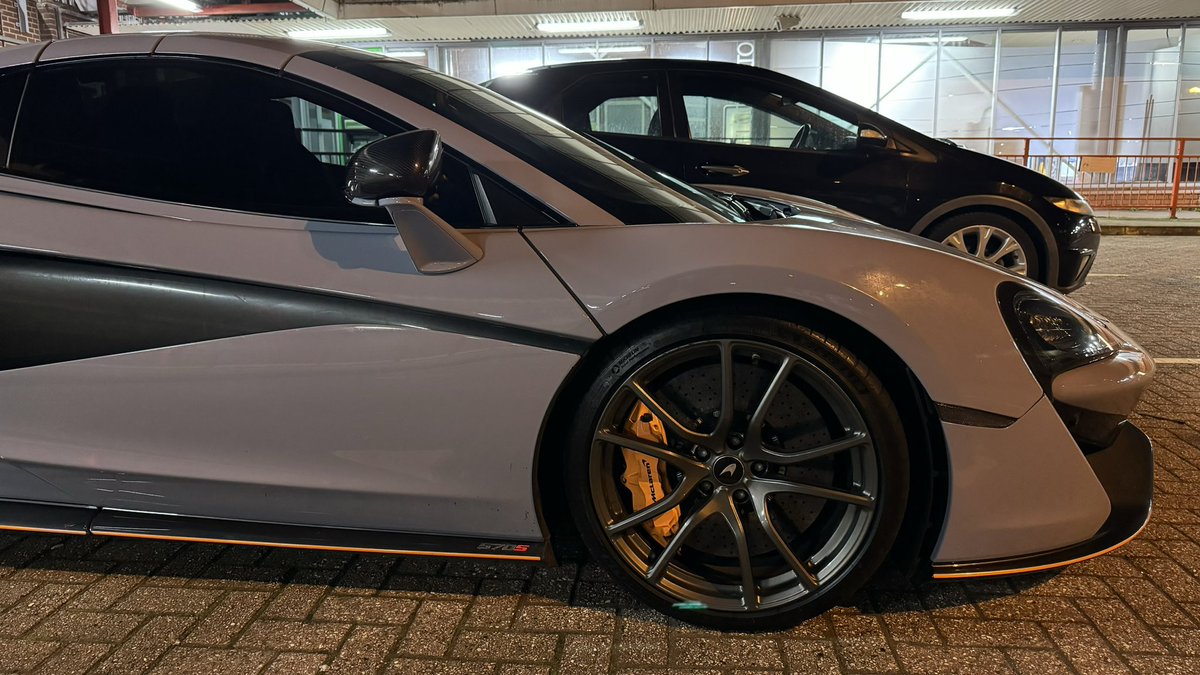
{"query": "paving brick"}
{"type": "Point", "coordinates": [365, 650]}
{"type": "Point", "coordinates": [432, 628]}
{"type": "Point", "coordinates": [205, 661]}
{"type": "Point", "coordinates": [506, 646]}
{"type": "Point", "coordinates": [74, 658]}
{"type": "Point", "coordinates": [392, 611]}
{"type": "Point", "coordinates": [229, 616]}
{"type": "Point", "coordinates": [293, 635]}
{"type": "Point", "coordinates": [729, 652]}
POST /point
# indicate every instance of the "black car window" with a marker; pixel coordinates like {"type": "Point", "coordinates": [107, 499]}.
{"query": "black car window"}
{"type": "Point", "coordinates": [11, 86]}
{"type": "Point", "coordinates": [745, 112]}
{"type": "Point", "coordinates": [614, 103]}
{"type": "Point", "coordinates": [210, 134]}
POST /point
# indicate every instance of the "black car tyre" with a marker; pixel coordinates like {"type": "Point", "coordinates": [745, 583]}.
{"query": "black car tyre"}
{"type": "Point", "coordinates": [993, 238]}
{"type": "Point", "coordinates": [771, 462]}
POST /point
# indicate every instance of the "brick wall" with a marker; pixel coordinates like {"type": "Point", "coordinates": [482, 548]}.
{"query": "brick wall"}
{"type": "Point", "coordinates": [42, 21]}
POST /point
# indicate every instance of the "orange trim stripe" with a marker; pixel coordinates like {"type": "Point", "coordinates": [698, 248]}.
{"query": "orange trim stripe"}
{"type": "Point", "coordinates": [43, 530]}
{"type": "Point", "coordinates": [1042, 568]}
{"type": "Point", "coordinates": [239, 542]}
{"type": "Point", "coordinates": [204, 540]}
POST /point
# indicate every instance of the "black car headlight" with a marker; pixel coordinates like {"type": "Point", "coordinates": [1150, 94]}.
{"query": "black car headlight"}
{"type": "Point", "coordinates": [1053, 335]}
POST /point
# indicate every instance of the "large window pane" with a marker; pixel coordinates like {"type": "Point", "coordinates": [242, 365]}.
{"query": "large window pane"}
{"type": "Point", "coordinates": [965, 78]}
{"type": "Point", "coordinates": [1086, 80]}
{"type": "Point", "coordinates": [1189, 91]}
{"type": "Point", "coordinates": [908, 79]}
{"type": "Point", "coordinates": [510, 60]}
{"type": "Point", "coordinates": [691, 49]}
{"type": "Point", "coordinates": [467, 63]}
{"type": "Point", "coordinates": [1151, 77]}
{"type": "Point", "coordinates": [800, 59]}
{"type": "Point", "coordinates": [745, 52]}
{"type": "Point", "coordinates": [596, 50]}
{"type": "Point", "coordinates": [850, 67]}
{"type": "Point", "coordinates": [1024, 89]}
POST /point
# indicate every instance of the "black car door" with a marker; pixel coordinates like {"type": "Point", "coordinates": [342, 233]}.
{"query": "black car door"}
{"type": "Point", "coordinates": [749, 131]}
{"type": "Point", "coordinates": [626, 109]}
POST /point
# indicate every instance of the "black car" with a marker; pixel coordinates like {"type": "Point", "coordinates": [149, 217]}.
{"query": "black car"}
{"type": "Point", "coordinates": [709, 122]}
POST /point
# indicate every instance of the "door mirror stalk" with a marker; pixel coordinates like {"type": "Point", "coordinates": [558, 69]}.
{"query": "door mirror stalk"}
{"type": "Point", "coordinates": [397, 173]}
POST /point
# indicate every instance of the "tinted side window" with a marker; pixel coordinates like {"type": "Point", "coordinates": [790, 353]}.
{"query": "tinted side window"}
{"type": "Point", "coordinates": [727, 110]}
{"type": "Point", "coordinates": [187, 131]}
{"type": "Point", "coordinates": [212, 135]}
{"type": "Point", "coordinates": [617, 103]}
{"type": "Point", "coordinates": [11, 86]}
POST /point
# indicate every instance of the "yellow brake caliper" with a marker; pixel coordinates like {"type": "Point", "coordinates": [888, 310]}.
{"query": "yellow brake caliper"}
{"type": "Point", "coordinates": [645, 476]}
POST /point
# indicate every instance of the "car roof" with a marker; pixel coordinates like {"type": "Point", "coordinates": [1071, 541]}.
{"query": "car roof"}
{"type": "Point", "coordinates": [271, 52]}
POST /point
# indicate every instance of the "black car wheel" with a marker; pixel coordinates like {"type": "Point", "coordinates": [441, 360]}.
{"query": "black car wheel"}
{"type": "Point", "coordinates": [738, 472]}
{"type": "Point", "coordinates": [992, 238]}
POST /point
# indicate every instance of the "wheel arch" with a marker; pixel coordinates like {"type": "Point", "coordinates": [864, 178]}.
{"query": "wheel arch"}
{"type": "Point", "coordinates": [1033, 223]}
{"type": "Point", "coordinates": [928, 458]}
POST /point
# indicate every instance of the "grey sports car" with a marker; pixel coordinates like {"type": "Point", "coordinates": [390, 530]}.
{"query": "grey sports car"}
{"type": "Point", "coordinates": [272, 292]}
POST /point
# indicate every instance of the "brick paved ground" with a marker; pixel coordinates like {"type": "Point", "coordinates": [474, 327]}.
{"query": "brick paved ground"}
{"type": "Point", "coordinates": [76, 604]}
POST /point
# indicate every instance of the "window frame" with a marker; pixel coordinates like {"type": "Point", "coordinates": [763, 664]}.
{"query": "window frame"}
{"type": "Point", "coordinates": [360, 111]}
{"type": "Point", "coordinates": [814, 100]}
{"type": "Point", "coordinates": [662, 93]}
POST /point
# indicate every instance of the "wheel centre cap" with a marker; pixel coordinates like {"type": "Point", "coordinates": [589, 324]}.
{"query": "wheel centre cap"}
{"type": "Point", "coordinates": [728, 470]}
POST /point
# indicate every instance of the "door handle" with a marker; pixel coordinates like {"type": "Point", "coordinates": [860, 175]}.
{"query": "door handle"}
{"type": "Point", "coordinates": [735, 170]}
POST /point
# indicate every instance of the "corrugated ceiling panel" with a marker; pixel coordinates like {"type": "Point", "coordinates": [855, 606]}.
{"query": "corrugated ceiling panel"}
{"type": "Point", "coordinates": [704, 20]}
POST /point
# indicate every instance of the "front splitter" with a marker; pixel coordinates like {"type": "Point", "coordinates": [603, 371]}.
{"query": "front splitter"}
{"type": "Point", "coordinates": [1126, 471]}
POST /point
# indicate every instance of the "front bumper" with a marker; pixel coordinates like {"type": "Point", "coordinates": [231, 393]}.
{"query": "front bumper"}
{"type": "Point", "coordinates": [1068, 480]}
{"type": "Point", "coordinates": [1125, 470]}
{"type": "Point", "coordinates": [1078, 239]}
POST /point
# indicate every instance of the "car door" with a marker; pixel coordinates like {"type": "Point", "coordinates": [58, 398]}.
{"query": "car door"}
{"type": "Point", "coordinates": [197, 323]}
{"type": "Point", "coordinates": [626, 110]}
{"type": "Point", "coordinates": [744, 130]}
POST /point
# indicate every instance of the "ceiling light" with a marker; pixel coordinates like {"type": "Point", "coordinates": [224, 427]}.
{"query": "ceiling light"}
{"type": "Point", "coordinates": [615, 49]}
{"type": "Point", "coordinates": [185, 5]}
{"type": "Point", "coordinates": [1194, 90]}
{"type": "Point", "coordinates": [339, 33]}
{"type": "Point", "coordinates": [588, 26]}
{"type": "Point", "coordinates": [949, 14]}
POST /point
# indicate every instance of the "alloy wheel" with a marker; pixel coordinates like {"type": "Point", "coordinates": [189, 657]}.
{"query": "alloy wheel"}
{"type": "Point", "coordinates": [768, 470]}
{"type": "Point", "coordinates": [990, 244]}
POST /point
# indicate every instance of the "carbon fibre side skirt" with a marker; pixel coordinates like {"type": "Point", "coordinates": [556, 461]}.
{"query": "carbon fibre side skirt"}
{"type": "Point", "coordinates": [24, 516]}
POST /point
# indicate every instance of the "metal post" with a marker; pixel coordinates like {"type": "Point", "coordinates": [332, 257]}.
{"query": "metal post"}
{"type": "Point", "coordinates": [1025, 155]}
{"type": "Point", "coordinates": [1178, 176]}
{"type": "Point", "coordinates": [107, 11]}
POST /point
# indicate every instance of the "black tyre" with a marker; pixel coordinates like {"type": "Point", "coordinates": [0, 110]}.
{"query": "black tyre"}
{"type": "Point", "coordinates": [992, 238]}
{"type": "Point", "coordinates": [771, 465]}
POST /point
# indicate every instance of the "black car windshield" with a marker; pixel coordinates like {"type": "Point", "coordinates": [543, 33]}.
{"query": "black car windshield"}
{"type": "Point", "coordinates": [595, 173]}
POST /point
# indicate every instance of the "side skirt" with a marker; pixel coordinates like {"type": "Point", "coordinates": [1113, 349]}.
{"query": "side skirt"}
{"type": "Point", "coordinates": [68, 519]}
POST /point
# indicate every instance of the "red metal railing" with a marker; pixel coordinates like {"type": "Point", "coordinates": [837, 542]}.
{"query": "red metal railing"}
{"type": "Point", "coordinates": [1111, 173]}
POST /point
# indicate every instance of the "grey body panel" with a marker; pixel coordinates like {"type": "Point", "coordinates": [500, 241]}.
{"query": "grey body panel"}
{"type": "Point", "coordinates": [1021, 489]}
{"type": "Point", "coordinates": [364, 426]}
{"type": "Point", "coordinates": [510, 285]}
{"type": "Point", "coordinates": [404, 428]}
{"type": "Point", "coordinates": [113, 45]}
{"type": "Point", "coordinates": [1112, 386]}
{"type": "Point", "coordinates": [893, 285]}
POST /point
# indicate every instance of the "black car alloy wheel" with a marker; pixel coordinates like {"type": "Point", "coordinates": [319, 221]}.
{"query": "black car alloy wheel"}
{"type": "Point", "coordinates": [762, 492]}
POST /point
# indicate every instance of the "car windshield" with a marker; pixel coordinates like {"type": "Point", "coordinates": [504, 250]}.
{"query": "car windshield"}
{"type": "Point", "coordinates": [594, 172]}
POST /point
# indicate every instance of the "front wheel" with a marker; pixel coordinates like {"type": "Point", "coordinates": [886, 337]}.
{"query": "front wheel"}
{"type": "Point", "coordinates": [992, 238]}
{"type": "Point", "coordinates": [738, 472]}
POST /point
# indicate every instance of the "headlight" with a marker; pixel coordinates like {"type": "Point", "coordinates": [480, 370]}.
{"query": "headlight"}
{"type": "Point", "coordinates": [1079, 206]}
{"type": "Point", "coordinates": [1053, 335]}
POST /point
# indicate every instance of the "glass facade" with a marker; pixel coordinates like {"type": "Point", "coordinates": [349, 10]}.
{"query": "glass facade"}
{"type": "Point", "coordinates": [1130, 81]}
